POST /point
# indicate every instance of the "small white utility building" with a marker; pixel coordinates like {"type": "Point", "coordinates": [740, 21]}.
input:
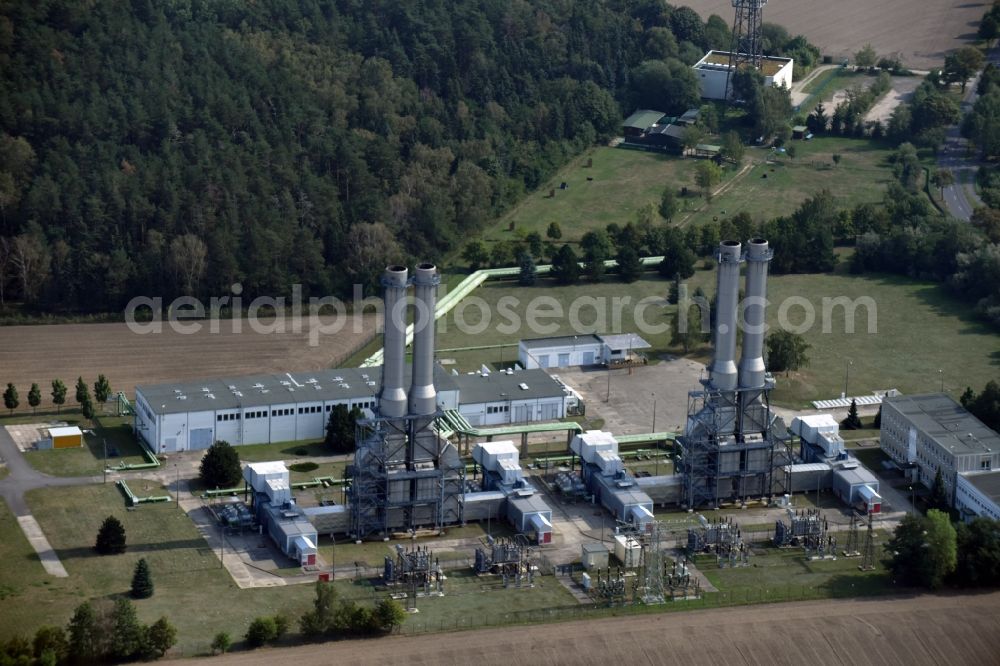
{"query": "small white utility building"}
{"type": "Point", "coordinates": [713, 69]}
{"type": "Point", "coordinates": [575, 350]}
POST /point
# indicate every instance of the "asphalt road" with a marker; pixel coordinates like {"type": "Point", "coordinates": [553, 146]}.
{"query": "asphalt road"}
{"type": "Point", "coordinates": [957, 155]}
{"type": "Point", "coordinates": [23, 477]}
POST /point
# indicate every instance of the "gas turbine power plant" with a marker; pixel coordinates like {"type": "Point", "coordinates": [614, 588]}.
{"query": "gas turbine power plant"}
{"type": "Point", "coordinates": [733, 443]}
{"type": "Point", "coordinates": [405, 476]}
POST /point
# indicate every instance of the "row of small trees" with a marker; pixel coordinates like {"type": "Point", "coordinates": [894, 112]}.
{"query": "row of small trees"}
{"type": "Point", "coordinates": [102, 392]}
{"type": "Point", "coordinates": [102, 632]}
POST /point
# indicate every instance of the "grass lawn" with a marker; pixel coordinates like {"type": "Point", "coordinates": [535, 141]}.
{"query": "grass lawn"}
{"type": "Point", "coordinates": [861, 177]}
{"type": "Point", "coordinates": [283, 451]}
{"type": "Point", "coordinates": [626, 180]}
{"type": "Point", "coordinates": [920, 329]}
{"type": "Point", "coordinates": [623, 182]}
{"type": "Point", "coordinates": [88, 459]}
{"type": "Point", "coordinates": [192, 589]}
{"type": "Point", "coordinates": [786, 574]}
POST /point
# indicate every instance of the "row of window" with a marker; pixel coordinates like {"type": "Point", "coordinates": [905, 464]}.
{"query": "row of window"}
{"type": "Point", "coordinates": [498, 409]}
{"type": "Point", "coordinates": [287, 411]}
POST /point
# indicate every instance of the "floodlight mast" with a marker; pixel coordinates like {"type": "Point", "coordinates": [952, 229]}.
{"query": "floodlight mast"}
{"type": "Point", "coordinates": [746, 48]}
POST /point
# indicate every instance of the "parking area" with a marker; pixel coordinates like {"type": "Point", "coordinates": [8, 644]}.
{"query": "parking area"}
{"type": "Point", "coordinates": [625, 398]}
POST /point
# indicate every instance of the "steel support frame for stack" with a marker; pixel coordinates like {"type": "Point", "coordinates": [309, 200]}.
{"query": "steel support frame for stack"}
{"type": "Point", "coordinates": [701, 455]}
{"type": "Point", "coordinates": [746, 47]}
{"type": "Point", "coordinates": [382, 444]}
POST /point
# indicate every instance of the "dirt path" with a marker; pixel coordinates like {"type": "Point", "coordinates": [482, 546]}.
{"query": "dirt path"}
{"type": "Point", "coordinates": [927, 629]}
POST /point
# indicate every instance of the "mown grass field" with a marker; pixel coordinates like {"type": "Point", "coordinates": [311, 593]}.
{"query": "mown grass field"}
{"type": "Point", "coordinates": [88, 460]}
{"type": "Point", "coordinates": [624, 181]}
{"type": "Point", "coordinates": [192, 589]}
{"type": "Point", "coordinates": [923, 338]}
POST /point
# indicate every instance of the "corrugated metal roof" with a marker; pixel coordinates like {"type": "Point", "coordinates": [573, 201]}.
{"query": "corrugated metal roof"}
{"type": "Point", "coordinates": [560, 341]}
{"type": "Point", "coordinates": [499, 386]}
{"type": "Point", "coordinates": [643, 118]}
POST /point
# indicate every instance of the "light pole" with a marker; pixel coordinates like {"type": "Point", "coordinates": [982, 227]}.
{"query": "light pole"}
{"type": "Point", "coordinates": [607, 398]}
{"type": "Point", "coordinates": [654, 412]}
{"type": "Point", "coordinates": [847, 373]}
{"type": "Point", "coordinates": [941, 377]}
{"type": "Point", "coordinates": [177, 485]}
{"type": "Point", "coordinates": [913, 501]}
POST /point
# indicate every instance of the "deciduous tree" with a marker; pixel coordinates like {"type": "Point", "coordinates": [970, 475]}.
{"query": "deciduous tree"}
{"type": "Point", "coordinates": [786, 351]}
{"type": "Point", "coordinates": [10, 398]}
{"type": "Point", "coordinates": [34, 397]}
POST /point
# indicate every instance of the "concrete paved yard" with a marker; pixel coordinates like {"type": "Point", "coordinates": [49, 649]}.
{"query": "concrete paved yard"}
{"type": "Point", "coordinates": [632, 391]}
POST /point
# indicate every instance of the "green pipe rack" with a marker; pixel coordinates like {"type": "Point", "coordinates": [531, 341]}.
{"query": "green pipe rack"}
{"type": "Point", "coordinates": [132, 500]}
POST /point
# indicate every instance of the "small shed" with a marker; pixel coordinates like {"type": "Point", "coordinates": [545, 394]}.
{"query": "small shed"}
{"type": "Point", "coordinates": [628, 550]}
{"type": "Point", "coordinates": [689, 117]}
{"type": "Point", "coordinates": [595, 556]}
{"type": "Point", "coordinates": [799, 132]}
{"type": "Point", "coordinates": [69, 437]}
{"type": "Point", "coordinates": [707, 150]}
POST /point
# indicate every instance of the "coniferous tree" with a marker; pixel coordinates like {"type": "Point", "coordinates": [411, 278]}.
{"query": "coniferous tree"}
{"type": "Point", "coordinates": [938, 498]}
{"type": "Point", "coordinates": [220, 466]}
{"type": "Point", "coordinates": [111, 537]}
{"type": "Point", "coordinates": [128, 635]}
{"type": "Point", "coordinates": [526, 276]}
{"type": "Point", "coordinates": [566, 266]}
{"type": "Point", "coordinates": [142, 580]}
{"type": "Point", "coordinates": [84, 639]}
{"type": "Point", "coordinates": [877, 423]}
{"type": "Point", "coordinates": [853, 421]}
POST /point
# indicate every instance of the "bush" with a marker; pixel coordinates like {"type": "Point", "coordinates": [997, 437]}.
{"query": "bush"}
{"type": "Point", "coordinates": [221, 643]}
{"type": "Point", "coordinates": [304, 467]}
{"type": "Point", "coordinates": [111, 537]}
{"type": "Point", "coordinates": [261, 631]}
{"type": "Point", "coordinates": [301, 452]}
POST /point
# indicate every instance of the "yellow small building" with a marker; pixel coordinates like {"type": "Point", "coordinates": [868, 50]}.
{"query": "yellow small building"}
{"type": "Point", "coordinates": [66, 438]}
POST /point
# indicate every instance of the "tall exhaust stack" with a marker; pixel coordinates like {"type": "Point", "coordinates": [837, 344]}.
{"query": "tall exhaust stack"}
{"type": "Point", "coordinates": [423, 397]}
{"type": "Point", "coordinates": [724, 375]}
{"type": "Point", "coordinates": [752, 370]}
{"type": "Point", "coordinates": [392, 398]}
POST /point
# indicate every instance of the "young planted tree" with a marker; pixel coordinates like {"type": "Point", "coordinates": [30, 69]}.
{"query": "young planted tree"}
{"type": "Point", "coordinates": [221, 643]}
{"type": "Point", "coordinates": [102, 390]}
{"type": "Point", "coordinates": [58, 393]}
{"type": "Point", "coordinates": [220, 466]}
{"type": "Point", "coordinates": [82, 391]}
{"type": "Point", "coordinates": [87, 408]}
{"type": "Point", "coordinates": [142, 580]}
{"type": "Point", "coordinates": [34, 397]}
{"type": "Point", "coordinates": [668, 203]}
{"type": "Point", "coordinates": [260, 632]}
{"type": "Point", "coordinates": [853, 421]}
{"type": "Point", "coordinates": [128, 635]}
{"type": "Point", "coordinates": [84, 635]}
{"type": "Point", "coordinates": [111, 537]}
{"type": "Point", "coordinates": [389, 614]}
{"type": "Point", "coordinates": [10, 398]}
{"type": "Point", "coordinates": [50, 645]}
{"type": "Point", "coordinates": [707, 175]}
{"type": "Point", "coordinates": [554, 231]}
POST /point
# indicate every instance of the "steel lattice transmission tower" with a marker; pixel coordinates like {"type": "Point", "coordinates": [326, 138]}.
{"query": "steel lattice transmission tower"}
{"type": "Point", "coordinates": [747, 45]}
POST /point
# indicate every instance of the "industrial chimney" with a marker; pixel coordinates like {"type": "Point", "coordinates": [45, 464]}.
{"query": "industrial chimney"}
{"type": "Point", "coordinates": [723, 372]}
{"type": "Point", "coordinates": [752, 370]}
{"type": "Point", "coordinates": [392, 398]}
{"type": "Point", "coordinates": [423, 398]}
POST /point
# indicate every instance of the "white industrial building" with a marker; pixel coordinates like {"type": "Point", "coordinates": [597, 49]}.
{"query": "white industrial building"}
{"type": "Point", "coordinates": [934, 432]}
{"type": "Point", "coordinates": [573, 350]}
{"type": "Point", "coordinates": [713, 69]}
{"type": "Point", "coordinates": [978, 494]}
{"type": "Point", "coordinates": [260, 409]}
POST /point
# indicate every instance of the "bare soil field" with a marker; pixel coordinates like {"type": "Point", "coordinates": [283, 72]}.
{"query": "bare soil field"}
{"type": "Point", "coordinates": [67, 351]}
{"type": "Point", "coordinates": [917, 630]}
{"type": "Point", "coordinates": [919, 31]}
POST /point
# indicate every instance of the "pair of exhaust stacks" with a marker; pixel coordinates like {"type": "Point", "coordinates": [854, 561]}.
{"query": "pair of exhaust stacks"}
{"type": "Point", "coordinates": [396, 402]}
